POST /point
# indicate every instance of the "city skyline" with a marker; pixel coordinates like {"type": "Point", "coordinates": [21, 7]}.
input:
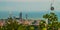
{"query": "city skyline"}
{"type": "Point", "coordinates": [34, 8]}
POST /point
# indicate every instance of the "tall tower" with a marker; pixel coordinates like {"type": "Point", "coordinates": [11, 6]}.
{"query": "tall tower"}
{"type": "Point", "coordinates": [26, 16]}
{"type": "Point", "coordinates": [20, 16]}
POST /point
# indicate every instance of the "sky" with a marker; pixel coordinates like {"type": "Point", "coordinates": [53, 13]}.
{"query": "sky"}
{"type": "Point", "coordinates": [28, 5]}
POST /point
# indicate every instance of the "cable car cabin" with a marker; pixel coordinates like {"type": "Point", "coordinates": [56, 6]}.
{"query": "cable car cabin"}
{"type": "Point", "coordinates": [52, 8]}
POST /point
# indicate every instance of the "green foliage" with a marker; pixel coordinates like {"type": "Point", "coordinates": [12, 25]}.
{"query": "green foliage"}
{"type": "Point", "coordinates": [42, 25]}
{"type": "Point", "coordinates": [58, 24]}
{"type": "Point", "coordinates": [12, 24]}
{"type": "Point", "coordinates": [31, 27]}
{"type": "Point", "coordinates": [52, 17]}
{"type": "Point", "coordinates": [21, 27]}
{"type": "Point", "coordinates": [46, 16]}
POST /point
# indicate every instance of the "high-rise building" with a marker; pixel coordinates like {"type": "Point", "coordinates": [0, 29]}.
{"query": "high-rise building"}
{"type": "Point", "coordinates": [20, 16]}
{"type": "Point", "coordinates": [26, 16]}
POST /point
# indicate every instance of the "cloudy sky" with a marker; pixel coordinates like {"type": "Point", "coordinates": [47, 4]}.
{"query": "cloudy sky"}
{"type": "Point", "coordinates": [28, 5]}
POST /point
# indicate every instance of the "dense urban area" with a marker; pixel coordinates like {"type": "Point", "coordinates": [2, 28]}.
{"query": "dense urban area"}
{"type": "Point", "coordinates": [50, 22]}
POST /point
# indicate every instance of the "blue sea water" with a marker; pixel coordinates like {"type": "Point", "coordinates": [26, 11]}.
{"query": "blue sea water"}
{"type": "Point", "coordinates": [31, 15]}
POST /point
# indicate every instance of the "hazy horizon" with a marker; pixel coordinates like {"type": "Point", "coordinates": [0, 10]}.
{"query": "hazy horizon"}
{"type": "Point", "coordinates": [34, 7]}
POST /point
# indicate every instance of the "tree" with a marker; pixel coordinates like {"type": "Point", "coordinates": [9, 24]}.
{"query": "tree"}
{"type": "Point", "coordinates": [31, 27]}
{"type": "Point", "coordinates": [15, 25]}
{"type": "Point", "coordinates": [58, 24]}
{"type": "Point", "coordinates": [42, 25]}
{"type": "Point", "coordinates": [52, 18]}
{"type": "Point", "coordinates": [21, 27]}
{"type": "Point", "coordinates": [11, 24]}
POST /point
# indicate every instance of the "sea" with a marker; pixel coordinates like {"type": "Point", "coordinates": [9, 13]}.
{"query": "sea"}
{"type": "Point", "coordinates": [30, 15]}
